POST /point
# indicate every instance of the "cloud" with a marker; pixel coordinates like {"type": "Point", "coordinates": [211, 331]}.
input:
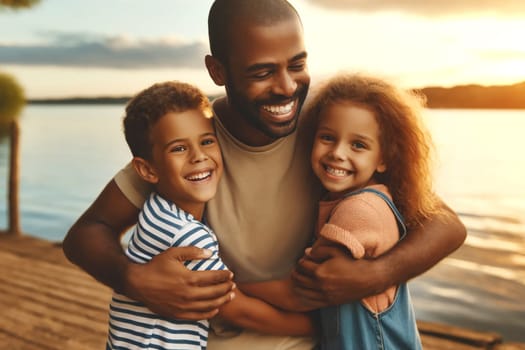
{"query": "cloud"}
{"type": "Point", "coordinates": [80, 50]}
{"type": "Point", "coordinates": [502, 55]}
{"type": "Point", "coordinates": [430, 8]}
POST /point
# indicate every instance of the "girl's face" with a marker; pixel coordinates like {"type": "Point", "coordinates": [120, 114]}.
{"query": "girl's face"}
{"type": "Point", "coordinates": [346, 151]}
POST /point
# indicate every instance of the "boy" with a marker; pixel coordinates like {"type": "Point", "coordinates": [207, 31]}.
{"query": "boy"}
{"type": "Point", "coordinates": [169, 130]}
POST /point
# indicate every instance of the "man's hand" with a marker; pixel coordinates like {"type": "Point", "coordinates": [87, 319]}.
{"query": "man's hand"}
{"type": "Point", "coordinates": [328, 275]}
{"type": "Point", "coordinates": [163, 284]}
{"type": "Point", "coordinates": [168, 288]}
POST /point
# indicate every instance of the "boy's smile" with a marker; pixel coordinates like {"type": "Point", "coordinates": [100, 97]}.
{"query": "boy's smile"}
{"type": "Point", "coordinates": [186, 159]}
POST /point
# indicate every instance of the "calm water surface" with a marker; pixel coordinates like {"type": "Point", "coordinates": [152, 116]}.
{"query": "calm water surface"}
{"type": "Point", "coordinates": [70, 152]}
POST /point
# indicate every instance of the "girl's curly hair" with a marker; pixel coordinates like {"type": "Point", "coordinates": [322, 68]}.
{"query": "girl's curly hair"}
{"type": "Point", "coordinates": [405, 143]}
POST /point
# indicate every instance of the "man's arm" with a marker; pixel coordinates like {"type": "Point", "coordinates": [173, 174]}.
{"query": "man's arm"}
{"type": "Point", "coordinates": [330, 276]}
{"type": "Point", "coordinates": [163, 284]}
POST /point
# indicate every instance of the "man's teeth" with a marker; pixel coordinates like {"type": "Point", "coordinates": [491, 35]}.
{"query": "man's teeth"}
{"type": "Point", "coordinates": [199, 176]}
{"type": "Point", "coordinates": [336, 172]}
{"type": "Point", "coordinates": [280, 109]}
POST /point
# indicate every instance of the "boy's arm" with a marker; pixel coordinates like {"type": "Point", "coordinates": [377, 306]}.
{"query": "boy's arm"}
{"type": "Point", "coordinates": [255, 314]}
{"type": "Point", "coordinates": [163, 284]}
{"type": "Point", "coordinates": [331, 276]}
{"type": "Point", "coordinates": [279, 293]}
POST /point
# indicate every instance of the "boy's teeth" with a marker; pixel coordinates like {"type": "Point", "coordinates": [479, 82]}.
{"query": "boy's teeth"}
{"type": "Point", "coordinates": [279, 109]}
{"type": "Point", "coordinates": [199, 176]}
{"type": "Point", "coordinates": [336, 172]}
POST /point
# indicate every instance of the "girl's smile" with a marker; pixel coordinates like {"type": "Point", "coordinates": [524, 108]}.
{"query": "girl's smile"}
{"type": "Point", "coordinates": [346, 152]}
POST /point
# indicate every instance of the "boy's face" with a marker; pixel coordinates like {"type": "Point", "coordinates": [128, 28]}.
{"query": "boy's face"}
{"type": "Point", "coordinates": [346, 152]}
{"type": "Point", "coordinates": [186, 158]}
{"type": "Point", "coordinates": [267, 77]}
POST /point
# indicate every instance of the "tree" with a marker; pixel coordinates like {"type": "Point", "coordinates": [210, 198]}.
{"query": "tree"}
{"type": "Point", "coordinates": [12, 100]}
{"type": "Point", "coordinates": [15, 4]}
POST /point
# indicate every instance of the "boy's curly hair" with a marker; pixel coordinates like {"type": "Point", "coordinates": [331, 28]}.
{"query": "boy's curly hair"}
{"type": "Point", "coordinates": [148, 106]}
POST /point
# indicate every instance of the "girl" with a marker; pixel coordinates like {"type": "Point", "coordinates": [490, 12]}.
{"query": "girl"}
{"type": "Point", "coordinates": [370, 151]}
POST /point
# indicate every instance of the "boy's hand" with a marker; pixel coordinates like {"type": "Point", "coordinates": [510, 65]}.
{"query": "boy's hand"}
{"type": "Point", "coordinates": [169, 289]}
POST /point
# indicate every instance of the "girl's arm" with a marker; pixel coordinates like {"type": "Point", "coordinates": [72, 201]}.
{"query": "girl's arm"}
{"type": "Point", "coordinates": [255, 314]}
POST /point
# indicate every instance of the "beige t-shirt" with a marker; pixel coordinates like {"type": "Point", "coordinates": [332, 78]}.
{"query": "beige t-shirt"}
{"type": "Point", "coordinates": [263, 213]}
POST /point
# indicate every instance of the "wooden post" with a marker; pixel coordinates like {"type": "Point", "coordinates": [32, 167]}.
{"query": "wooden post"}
{"type": "Point", "coordinates": [14, 180]}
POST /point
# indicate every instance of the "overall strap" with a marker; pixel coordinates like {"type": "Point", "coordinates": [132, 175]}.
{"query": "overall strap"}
{"type": "Point", "coordinates": [399, 218]}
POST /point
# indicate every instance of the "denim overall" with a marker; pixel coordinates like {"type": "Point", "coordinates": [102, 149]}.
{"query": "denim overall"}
{"type": "Point", "coordinates": [354, 327]}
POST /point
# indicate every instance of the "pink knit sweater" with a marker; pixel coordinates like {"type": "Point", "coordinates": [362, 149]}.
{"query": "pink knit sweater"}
{"type": "Point", "coordinates": [365, 224]}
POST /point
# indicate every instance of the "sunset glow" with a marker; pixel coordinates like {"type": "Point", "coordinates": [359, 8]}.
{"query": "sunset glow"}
{"type": "Point", "coordinates": [415, 43]}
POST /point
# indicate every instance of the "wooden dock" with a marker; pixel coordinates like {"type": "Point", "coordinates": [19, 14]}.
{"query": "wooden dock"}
{"type": "Point", "coordinates": [48, 303]}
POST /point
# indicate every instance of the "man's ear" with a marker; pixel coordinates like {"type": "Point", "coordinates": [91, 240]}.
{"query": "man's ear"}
{"type": "Point", "coordinates": [145, 170]}
{"type": "Point", "coordinates": [215, 70]}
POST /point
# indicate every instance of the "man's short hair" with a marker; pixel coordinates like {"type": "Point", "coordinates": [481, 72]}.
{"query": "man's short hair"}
{"type": "Point", "coordinates": [224, 15]}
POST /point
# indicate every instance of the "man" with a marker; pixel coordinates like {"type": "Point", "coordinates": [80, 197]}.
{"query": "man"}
{"type": "Point", "coordinates": [263, 213]}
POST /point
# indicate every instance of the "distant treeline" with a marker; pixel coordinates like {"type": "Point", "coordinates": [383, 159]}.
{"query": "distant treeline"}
{"type": "Point", "coordinates": [86, 100]}
{"type": "Point", "coordinates": [464, 96]}
{"type": "Point", "coordinates": [476, 96]}
{"type": "Point", "coordinates": [81, 101]}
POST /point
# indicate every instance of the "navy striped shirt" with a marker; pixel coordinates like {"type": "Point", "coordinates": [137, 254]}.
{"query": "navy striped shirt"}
{"type": "Point", "coordinates": [132, 325]}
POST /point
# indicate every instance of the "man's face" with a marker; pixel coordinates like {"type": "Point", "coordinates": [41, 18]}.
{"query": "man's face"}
{"type": "Point", "coordinates": [267, 78]}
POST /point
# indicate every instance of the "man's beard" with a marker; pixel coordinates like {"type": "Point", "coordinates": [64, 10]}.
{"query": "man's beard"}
{"type": "Point", "coordinates": [250, 111]}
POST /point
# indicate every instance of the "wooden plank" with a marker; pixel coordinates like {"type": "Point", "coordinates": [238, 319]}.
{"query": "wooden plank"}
{"type": "Point", "coordinates": [32, 248]}
{"type": "Point", "coordinates": [484, 340]}
{"type": "Point", "coordinates": [48, 332]}
{"type": "Point", "coordinates": [510, 346]}
{"type": "Point", "coordinates": [432, 342]}
{"type": "Point", "coordinates": [73, 314]}
{"type": "Point", "coordinates": [12, 342]}
{"type": "Point", "coordinates": [60, 281]}
{"type": "Point", "coordinates": [48, 303]}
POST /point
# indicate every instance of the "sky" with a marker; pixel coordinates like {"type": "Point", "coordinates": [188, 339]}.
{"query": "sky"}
{"type": "Point", "coordinates": [71, 48]}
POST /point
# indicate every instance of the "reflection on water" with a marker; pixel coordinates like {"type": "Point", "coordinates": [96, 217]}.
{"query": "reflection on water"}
{"type": "Point", "coordinates": [482, 285]}
{"type": "Point", "coordinates": [488, 271]}
{"type": "Point", "coordinates": [480, 175]}
{"type": "Point", "coordinates": [70, 152]}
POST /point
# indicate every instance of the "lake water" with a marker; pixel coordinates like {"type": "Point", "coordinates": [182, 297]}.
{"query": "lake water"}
{"type": "Point", "coordinates": [70, 152]}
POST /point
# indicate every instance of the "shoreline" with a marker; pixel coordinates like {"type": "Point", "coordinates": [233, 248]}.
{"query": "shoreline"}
{"type": "Point", "coordinates": [456, 97]}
